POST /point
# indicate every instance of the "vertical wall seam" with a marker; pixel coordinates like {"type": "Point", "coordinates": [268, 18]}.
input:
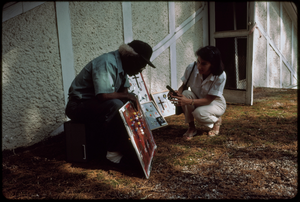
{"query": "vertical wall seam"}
{"type": "Point", "coordinates": [65, 45]}
{"type": "Point", "coordinates": [292, 62]}
{"type": "Point", "coordinates": [212, 25]}
{"type": "Point", "coordinates": [268, 46]}
{"type": "Point", "coordinates": [173, 61]}
{"type": "Point", "coordinates": [127, 22]}
{"type": "Point", "coordinates": [205, 25]}
{"type": "Point", "coordinates": [276, 49]}
{"type": "Point", "coordinates": [251, 39]}
{"type": "Point", "coordinates": [17, 9]}
{"type": "Point", "coordinates": [281, 45]}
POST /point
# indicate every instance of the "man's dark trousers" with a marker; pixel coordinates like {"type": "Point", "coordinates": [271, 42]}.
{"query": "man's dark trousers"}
{"type": "Point", "coordinates": [103, 120]}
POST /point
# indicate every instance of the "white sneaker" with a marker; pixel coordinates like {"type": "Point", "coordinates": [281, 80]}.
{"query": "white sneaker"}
{"type": "Point", "coordinates": [114, 156]}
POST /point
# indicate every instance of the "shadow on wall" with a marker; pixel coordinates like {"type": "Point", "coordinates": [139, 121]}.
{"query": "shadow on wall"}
{"type": "Point", "coordinates": [33, 103]}
{"type": "Point", "coordinates": [33, 97]}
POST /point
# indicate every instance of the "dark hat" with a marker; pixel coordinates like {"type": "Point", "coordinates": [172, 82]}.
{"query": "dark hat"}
{"type": "Point", "coordinates": [143, 49]}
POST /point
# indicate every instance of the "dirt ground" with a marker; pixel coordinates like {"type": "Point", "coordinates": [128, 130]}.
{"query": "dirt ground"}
{"type": "Point", "coordinates": [253, 157]}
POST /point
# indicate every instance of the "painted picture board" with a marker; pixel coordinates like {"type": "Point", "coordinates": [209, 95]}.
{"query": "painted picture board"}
{"type": "Point", "coordinates": [164, 105]}
{"type": "Point", "coordinates": [140, 135]}
{"type": "Point", "coordinates": [138, 87]}
{"type": "Point", "coordinates": [153, 116]}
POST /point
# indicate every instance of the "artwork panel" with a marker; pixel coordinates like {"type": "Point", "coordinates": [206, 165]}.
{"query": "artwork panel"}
{"type": "Point", "coordinates": [138, 87]}
{"type": "Point", "coordinates": [153, 116]}
{"type": "Point", "coordinates": [140, 135]}
{"type": "Point", "coordinates": [163, 103]}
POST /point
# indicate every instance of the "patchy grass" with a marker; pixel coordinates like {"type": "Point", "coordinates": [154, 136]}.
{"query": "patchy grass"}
{"type": "Point", "coordinates": [254, 157]}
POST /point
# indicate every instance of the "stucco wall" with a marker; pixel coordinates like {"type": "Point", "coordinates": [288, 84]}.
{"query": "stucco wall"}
{"type": "Point", "coordinates": [150, 23]}
{"type": "Point", "coordinates": [275, 22]}
{"type": "Point", "coordinates": [286, 76]}
{"type": "Point", "coordinates": [286, 36]}
{"type": "Point", "coordinates": [96, 28]}
{"type": "Point", "coordinates": [189, 42]}
{"type": "Point", "coordinates": [283, 34]}
{"type": "Point", "coordinates": [32, 97]}
{"type": "Point", "coordinates": [274, 68]}
{"type": "Point", "coordinates": [295, 48]}
{"type": "Point", "coordinates": [260, 61]}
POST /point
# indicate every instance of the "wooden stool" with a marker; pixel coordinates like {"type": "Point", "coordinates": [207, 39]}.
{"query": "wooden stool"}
{"type": "Point", "coordinates": [76, 142]}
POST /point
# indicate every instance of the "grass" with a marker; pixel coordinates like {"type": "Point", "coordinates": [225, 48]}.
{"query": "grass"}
{"type": "Point", "coordinates": [262, 134]}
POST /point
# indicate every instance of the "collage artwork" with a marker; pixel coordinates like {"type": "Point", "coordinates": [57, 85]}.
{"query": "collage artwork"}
{"type": "Point", "coordinates": [140, 123]}
{"type": "Point", "coordinates": [163, 103]}
{"type": "Point", "coordinates": [140, 135]}
{"type": "Point", "coordinates": [153, 114]}
{"type": "Point", "coordinates": [138, 87]}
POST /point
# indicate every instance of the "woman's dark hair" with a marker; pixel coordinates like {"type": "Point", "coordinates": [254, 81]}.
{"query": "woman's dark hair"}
{"type": "Point", "coordinates": [212, 55]}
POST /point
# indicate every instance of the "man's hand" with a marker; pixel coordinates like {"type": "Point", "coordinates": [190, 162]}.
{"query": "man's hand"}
{"type": "Point", "coordinates": [134, 100]}
{"type": "Point", "coordinates": [124, 96]}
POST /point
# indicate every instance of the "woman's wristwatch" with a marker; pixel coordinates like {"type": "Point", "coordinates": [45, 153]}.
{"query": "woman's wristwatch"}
{"type": "Point", "coordinates": [192, 103]}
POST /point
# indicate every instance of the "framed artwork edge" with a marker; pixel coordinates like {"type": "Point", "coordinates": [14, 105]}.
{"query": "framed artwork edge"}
{"type": "Point", "coordinates": [131, 136]}
{"type": "Point", "coordinates": [130, 78]}
{"type": "Point", "coordinates": [157, 103]}
{"type": "Point", "coordinates": [157, 109]}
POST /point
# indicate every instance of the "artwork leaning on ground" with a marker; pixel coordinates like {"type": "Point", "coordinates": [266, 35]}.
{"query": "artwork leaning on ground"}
{"type": "Point", "coordinates": [140, 135]}
{"type": "Point", "coordinates": [164, 105]}
{"type": "Point", "coordinates": [138, 87]}
{"type": "Point", "coordinates": [153, 116]}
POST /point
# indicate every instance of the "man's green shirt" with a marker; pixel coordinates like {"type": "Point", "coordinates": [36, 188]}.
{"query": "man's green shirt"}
{"type": "Point", "coordinates": [103, 74]}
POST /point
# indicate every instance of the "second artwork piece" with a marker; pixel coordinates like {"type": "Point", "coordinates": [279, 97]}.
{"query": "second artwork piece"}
{"type": "Point", "coordinates": [163, 103]}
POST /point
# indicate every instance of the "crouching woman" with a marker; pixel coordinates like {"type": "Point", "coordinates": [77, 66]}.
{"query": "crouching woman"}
{"type": "Point", "coordinates": [205, 102]}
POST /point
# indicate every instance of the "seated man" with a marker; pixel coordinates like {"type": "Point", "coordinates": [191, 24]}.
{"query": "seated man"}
{"type": "Point", "coordinates": [100, 90]}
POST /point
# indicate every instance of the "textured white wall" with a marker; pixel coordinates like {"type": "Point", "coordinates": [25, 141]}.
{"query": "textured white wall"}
{"type": "Point", "coordinates": [295, 48]}
{"type": "Point", "coordinates": [33, 97]}
{"type": "Point", "coordinates": [274, 68]}
{"type": "Point", "coordinates": [260, 61]}
{"type": "Point", "coordinates": [270, 70]}
{"type": "Point", "coordinates": [153, 27]}
{"type": "Point", "coordinates": [286, 36]}
{"type": "Point", "coordinates": [33, 101]}
{"type": "Point", "coordinates": [96, 29]}
{"type": "Point", "coordinates": [150, 23]}
{"type": "Point", "coordinates": [190, 41]}
{"type": "Point", "coordinates": [275, 22]}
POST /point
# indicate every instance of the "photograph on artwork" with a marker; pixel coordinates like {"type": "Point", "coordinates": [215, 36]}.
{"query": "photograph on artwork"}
{"type": "Point", "coordinates": [138, 87]}
{"type": "Point", "coordinates": [164, 105]}
{"type": "Point", "coordinates": [140, 135]}
{"type": "Point", "coordinates": [153, 116]}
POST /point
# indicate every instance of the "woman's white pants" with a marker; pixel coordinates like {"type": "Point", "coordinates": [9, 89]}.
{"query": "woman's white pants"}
{"type": "Point", "coordinates": [206, 115]}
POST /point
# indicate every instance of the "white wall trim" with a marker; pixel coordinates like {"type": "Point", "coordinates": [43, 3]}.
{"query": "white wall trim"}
{"type": "Point", "coordinates": [271, 42]}
{"type": "Point", "coordinates": [212, 25]}
{"type": "Point", "coordinates": [171, 17]}
{"type": "Point", "coordinates": [292, 51]}
{"type": "Point", "coordinates": [268, 46]}
{"type": "Point", "coordinates": [172, 46]}
{"type": "Point", "coordinates": [127, 22]}
{"type": "Point", "coordinates": [281, 45]}
{"type": "Point", "coordinates": [205, 26]}
{"type": "Point", "coordinates": [171, 38]}
{"type": "Point", "coordinates": [58, 130]}
{"type": "Point", "coordinates": [18, 8]}
{"type": "Point", "coordinates": [65, 45]}
{"type": "Point", "coordinates": [291, 10]}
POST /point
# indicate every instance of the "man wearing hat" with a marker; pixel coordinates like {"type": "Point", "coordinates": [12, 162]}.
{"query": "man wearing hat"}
{"type": "Point", "coordinates": [100, 90]}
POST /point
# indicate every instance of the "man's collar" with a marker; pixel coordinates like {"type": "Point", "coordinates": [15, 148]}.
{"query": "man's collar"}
{"type": "Point", "coordinates": [119, 61]}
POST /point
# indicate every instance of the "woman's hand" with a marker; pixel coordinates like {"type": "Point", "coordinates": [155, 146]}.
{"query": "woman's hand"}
{"type": "Point", "coordinates": [182, 100]}
{"type": "Point", "coordinates": [179, 100]}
